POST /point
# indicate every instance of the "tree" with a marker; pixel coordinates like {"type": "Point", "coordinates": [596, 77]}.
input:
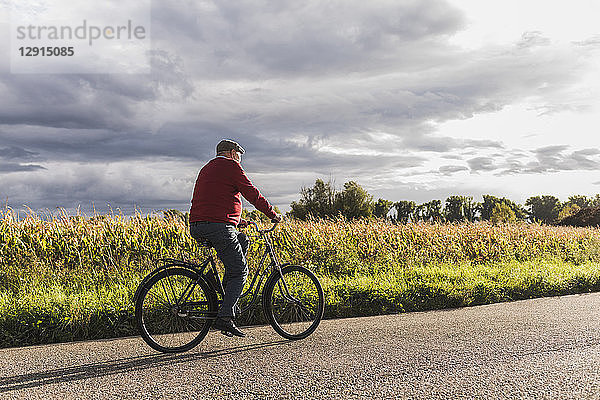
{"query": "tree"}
{"type": "Point", "coordinates": [568, 210]}
{"type": "Point", "coordinates": [322, 201]}
{"type": "Point", "coordinates": [543, 208]}
{"type": "Point", "coordinates": [470, 208]}
{"type": "Point", "coordinates": [460, 208]}
{"type": "Point", "coordinates": [453, 209]}
{"type": "Point", "coordinates": [418, 213]}
{"type": "Point", "coordinates": [432, 211]}
{"type": "Point", "coordinates": [595, 201]}
{"type": "Point", "coordinates": [354, 201]}
{"type": "Point", "coordinates": [488, 205]}
{"type": "Point", "coordinates": [489, 202]}
{"type": "Point", "coordinates": [317, 201]}
{"type": "Point", "coordinates": [578, 200]}
{"type": "Point", "coordinates": [520, 211]}
{"type": "Point", "coordinates": [502, 213]}
{"type": "Point", "coordinates": [404, 209]}
{"type": "Point", "coordinates": [382, 208]}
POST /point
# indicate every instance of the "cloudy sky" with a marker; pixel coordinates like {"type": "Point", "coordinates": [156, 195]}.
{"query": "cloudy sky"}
{"type": "Point", "coordinates": [413, 99]}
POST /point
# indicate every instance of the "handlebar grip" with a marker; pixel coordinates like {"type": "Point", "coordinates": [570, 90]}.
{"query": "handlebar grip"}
{"type": "Point", "coordinates": [263, 230]}
{"type": "Point", "coordinates": [273, 227]}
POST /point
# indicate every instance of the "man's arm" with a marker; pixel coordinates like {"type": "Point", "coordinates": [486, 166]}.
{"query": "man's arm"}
{"type": "Point", "coordinates": [252, 194]}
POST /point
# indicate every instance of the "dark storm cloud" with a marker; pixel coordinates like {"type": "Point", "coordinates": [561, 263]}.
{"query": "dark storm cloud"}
{"type": "Point", "coordinates": [93, 187]}
{"type": "Point", "coordinates": [14, 167]}
{"type": "Point", "coordinates": [306, 87]}
{"type": "Point", "coordinates": [189, 142]}
{"type": "Point", "coordinates": [241, 38]}
{"type": "Point", "coordinates": [181, 141]}
{"type": "Point", "coordinates": [397, 90]}
{"type": "Point", "coordinates": [11, 157]}
{"type": "Point", "coordinates": [88, 101]}
{"type": "Point", "coordinates": [65, 101]}
{"type": "Point", "coordinates": [10, 153]}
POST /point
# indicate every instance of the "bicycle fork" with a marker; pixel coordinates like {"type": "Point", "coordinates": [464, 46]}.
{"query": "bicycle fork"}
{"type": "Point", "coordinates": [283, 287]}
{"type": "Point", "coordinates": [286, 291]}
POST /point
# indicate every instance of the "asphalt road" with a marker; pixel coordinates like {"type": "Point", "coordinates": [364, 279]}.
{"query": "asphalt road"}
{"type": "Point", "coordinates": [539, 349]}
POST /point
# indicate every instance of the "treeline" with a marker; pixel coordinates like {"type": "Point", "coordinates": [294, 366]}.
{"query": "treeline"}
{"type": "Point", "coordinates": [322, 200]}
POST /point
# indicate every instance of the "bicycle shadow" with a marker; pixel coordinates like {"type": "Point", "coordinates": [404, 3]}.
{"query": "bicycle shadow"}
{"type": "Point", "coordinates": [94, 370]}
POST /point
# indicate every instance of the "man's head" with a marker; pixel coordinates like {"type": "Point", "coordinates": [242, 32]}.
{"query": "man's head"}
{"type": "Point", "coordinates": [230, 149]}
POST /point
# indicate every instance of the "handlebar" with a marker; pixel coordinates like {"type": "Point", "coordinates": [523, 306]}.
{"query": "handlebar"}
{"type": "Point", "coordinates": [271, 229]}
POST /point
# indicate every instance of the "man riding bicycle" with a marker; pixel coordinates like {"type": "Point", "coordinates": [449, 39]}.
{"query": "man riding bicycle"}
{"type": "Point", "coordinates": [214, 215]}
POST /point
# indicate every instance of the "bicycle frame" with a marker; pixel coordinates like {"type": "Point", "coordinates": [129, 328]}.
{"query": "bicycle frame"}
{"type": "Point", "coordinates": [261, 270]}
{"type": "Point", "coordinates": [275, 266]}
{"type": "Point", "coordinates": [215, 283]}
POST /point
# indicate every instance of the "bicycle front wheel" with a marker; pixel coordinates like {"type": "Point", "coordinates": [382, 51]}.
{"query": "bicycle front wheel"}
{"type": "Point", "coordinates": [174, 310]}
{"type": "Point", "coordinates": [293, 302]}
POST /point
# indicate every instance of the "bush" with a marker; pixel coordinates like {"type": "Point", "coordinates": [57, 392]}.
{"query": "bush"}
{"type": "Point", "coordinates": [585, 217]}
{"type": "Point", "coordinates": [502, 213]}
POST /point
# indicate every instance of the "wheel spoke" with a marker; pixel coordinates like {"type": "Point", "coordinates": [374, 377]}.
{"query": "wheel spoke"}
{"type": "Point", "coordinates": [162, 283]}
{"type": "Point", "coordinates": [169, 328]}
{"type": "Point", "coordinates": [296, 303]}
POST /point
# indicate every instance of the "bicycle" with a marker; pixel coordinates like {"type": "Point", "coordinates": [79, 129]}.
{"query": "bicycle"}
{"type": "Point", "coordinates": [176, 304]}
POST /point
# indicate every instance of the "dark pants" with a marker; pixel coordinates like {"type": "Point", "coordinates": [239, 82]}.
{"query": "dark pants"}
{"type": "Point", "coordinates": [231, 247]}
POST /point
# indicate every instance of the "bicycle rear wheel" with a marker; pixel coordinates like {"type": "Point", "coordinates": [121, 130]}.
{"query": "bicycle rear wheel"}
{"type": "Point", "coordinates": [293, 302]}
{"type": "Point", "coordinates": [174, 310]}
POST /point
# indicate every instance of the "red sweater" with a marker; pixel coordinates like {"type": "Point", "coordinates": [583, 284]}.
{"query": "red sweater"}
{"type": "Point", "coordinates": [217, 193]}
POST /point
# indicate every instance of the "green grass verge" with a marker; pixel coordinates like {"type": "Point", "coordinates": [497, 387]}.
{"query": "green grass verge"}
{"type": "Point", "coordinates": [84, 305]}
{"type": "Point", "coordinates": [447, 286]}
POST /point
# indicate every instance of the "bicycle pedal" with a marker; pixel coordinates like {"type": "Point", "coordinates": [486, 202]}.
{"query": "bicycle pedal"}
{"type": "Point", "coordinates": [226, 333]}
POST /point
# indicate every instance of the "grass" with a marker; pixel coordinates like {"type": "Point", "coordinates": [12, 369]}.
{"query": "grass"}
{"type": "Point", "coordinates": [73, 278]}
{"type": "Point", "coordinates": [446, 286]}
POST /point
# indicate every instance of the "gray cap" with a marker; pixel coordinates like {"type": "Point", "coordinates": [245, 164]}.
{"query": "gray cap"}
{"type": "Point", "coordinates": [226, 145]}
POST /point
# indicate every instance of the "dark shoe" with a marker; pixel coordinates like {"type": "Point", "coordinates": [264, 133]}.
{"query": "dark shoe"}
{"type": "Point", "coordinates": [227, 327]}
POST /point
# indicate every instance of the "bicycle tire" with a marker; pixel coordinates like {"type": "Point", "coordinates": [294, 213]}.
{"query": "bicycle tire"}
{"type": "Point", "coordinates": [297, 317]}
{"type": "Point", "coordinates": [169, 328]}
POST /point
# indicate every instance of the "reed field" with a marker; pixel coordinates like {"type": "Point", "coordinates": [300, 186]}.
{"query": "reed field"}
{"type": "Point", "coordinates": [73, 278]}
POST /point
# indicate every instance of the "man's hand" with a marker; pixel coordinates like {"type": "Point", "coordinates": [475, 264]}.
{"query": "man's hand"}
{"type": "Point", "coordinates": [243, 224]}
{"type": "Point", "coordinates": [278, 218]}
